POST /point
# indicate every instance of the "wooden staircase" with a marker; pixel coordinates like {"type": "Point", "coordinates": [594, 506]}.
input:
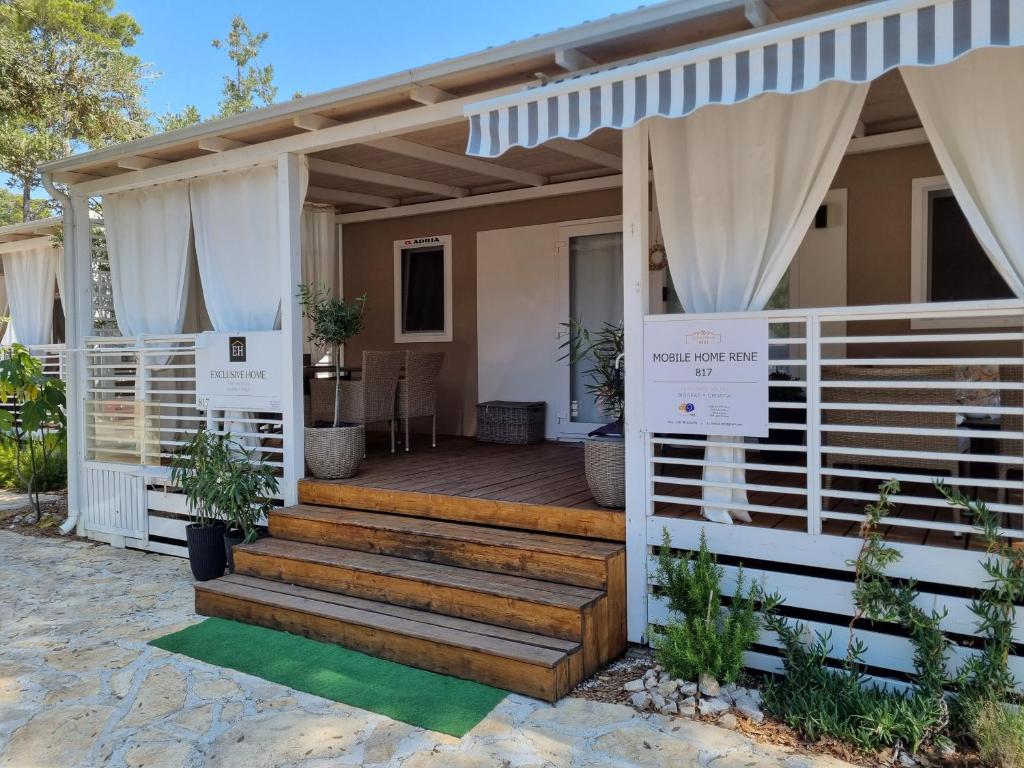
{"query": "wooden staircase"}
{"type": "Point", "coordinates": [509, 606]}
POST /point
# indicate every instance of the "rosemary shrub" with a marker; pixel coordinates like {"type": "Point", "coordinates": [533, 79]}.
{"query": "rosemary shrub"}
{"type": "Point", "coordinates": [837, 702]}
{"type": "Point", "coordinates": [985, 678]}
{"type": "Point", "coordinates": [701, 636]}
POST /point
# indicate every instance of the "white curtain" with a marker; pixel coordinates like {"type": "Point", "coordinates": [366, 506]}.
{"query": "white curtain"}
{"type": "Point", "coordinates": [235, 219]}
{"type": "Point", "coordinates": [148, 242]}
{"type": "Point", "coordinates": [58, 268]}
{"type": "Point", "coordinates": [7, 333]}
{"type": "Point", "coordinates": [30, 281]}
{"type": "Point", "coordinates": [234, 216]}
{"type": "Point", "coordinates": [973, 113]}
{"type": "Point", "coordinates": [319, 260]}
{"type": "Point", "coordinates": [738, 187]}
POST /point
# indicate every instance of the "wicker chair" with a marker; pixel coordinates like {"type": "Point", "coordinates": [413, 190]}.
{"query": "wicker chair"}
{"type": "Point", "coordinates": [417, 392]}
{"type": "Point", "coordinates": [1011, 422]}
{"type": "Point", "coordinates": [365, 401]}
{"type": "Point", "coordinates": [892, 441]}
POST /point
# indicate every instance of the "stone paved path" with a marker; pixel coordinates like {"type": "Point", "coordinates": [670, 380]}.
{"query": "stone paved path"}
{"type": "Point", "coordinates": [80, 687]}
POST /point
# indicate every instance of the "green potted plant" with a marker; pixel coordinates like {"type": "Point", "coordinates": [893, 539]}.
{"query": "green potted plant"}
{"type": "Point", "coordinates": [227, 491]}
{"type": "Point", "coordinates": [333, 452]}
{"type": "Point", "coordinates": [604, 449]}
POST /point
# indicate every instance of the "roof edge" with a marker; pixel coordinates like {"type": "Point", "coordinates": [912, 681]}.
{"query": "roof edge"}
{"type": "Point", "coordinates": [586, 33]}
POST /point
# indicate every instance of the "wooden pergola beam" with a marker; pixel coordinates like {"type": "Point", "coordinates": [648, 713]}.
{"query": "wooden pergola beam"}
{"type": "Point", "coordinates": [586, 152]}
{"type": "Point", "coordinates": [345, 171]}
{"type": "Point", "coordinates": [462, 162]}
{"type": "Point", "coordinates": [759, 14]}
{"type": "Point", "coordinates": [429, 94]}
{"type": "Point", "coordinates": [74, 177]}
{"type": "Point", "coordinates": [219, 144]}
{"type": "Point", "coordinates": [139, 162]}
{"type": "Point", "coordinates": [314, 122]}
{"type": "Point", "coordinates": [573, 59]}
{"type": "Point", "coordinates": [345, 197]}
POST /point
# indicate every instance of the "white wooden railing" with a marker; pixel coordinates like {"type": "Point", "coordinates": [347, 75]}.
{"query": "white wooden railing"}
{"type": "Point", "coordinates": [877, 393]}
{"type": "Point", "coordinates": [140, 403]}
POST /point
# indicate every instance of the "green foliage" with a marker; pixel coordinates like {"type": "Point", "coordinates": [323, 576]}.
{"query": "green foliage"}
{"type": "Point", "coordinates": [999, 733]}
{"type": "Point", "coordinates": [12, 211]}
{"type": "Point", "coordinates": [51, 463]}
{"type": "Point", "coordinates": [36, 424]}
{"type": "Point", "coordinates": [222, 480]}
{"type": "Point", "coordinates": [251, 82]}
{"type": "Point", "coordinates": [878, 598]}
{"type": "Point", "coordinates": [172, 121]}
{"type": "Point", "coordinates": [819, 701]}
{"type": "Point", "coordinates": [701, 637]}
{"type": "Point", "coordinates": [822, 702]}
{"type": "Point", "coordinates": [986, 677]}
{"type": "Point", "coordinates": [66, 79]}
{"type": "Point", "coordinates": [603, 350]}
{"type": "Point", "coordinates": [333, 323]}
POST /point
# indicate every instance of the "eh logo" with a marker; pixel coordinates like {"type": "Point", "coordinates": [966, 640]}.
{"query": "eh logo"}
{"type": "Point", "coordinates": [236, 349]}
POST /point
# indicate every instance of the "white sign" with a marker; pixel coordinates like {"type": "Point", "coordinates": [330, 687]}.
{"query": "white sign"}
{"type": "Point", "coordinates": [706, 377]}
{"type": "Point", "coordinates": [239, 371]}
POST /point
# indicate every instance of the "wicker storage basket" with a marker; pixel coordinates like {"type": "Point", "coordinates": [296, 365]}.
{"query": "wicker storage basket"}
{"type": "Point", "coordinates": [505, 421]}
{"type": "Point", "coordinates": [605, 461]}
{"type": "Point", "coordinates": [333, 453]}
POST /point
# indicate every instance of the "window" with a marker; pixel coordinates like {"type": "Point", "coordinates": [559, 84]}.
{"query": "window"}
{"type": "Point", "coordinates": [423, 289]}
{"type": "Point", "coordinates": [947, 261]}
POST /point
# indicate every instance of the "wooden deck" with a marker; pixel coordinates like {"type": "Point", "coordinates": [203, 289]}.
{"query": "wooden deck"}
{"type": "Point", "coordinates": [539, 487]}
{"type": "Point", "coordinates": [546, 473]}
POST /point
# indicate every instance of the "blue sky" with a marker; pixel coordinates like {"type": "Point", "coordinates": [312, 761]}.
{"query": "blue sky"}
{"type": "Point", "coordinates": [315, 45]}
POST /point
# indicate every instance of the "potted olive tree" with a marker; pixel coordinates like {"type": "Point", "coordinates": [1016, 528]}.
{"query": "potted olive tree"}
{"type": "Point", "coordinates": [227, 491]}
{"type": "Point", "coordinates": [605, 448]}
{"type": "Point", "coordinates": [333, 452]}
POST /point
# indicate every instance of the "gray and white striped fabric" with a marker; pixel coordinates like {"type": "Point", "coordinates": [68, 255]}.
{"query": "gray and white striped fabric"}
{"type": "Point", "coordinates": [856, 45]}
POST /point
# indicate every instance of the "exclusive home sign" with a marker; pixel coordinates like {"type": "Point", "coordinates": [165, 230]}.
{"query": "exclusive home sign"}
{"type": "Point", "coordinates": [706, 377]}
{"type": "Point", "coordinates": [239, 371]}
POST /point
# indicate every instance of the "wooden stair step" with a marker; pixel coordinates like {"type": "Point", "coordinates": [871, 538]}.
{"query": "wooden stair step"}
{"type": "Point", "coordinates": [608, 524]}
{"type": "Point", "coordinates": [541, 556]}
{"type": "Point", "coordinates": [528, 663]}
{"type": "Point", "coordinates": [549, 608]}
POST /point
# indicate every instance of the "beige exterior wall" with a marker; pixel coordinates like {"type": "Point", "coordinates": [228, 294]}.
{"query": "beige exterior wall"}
{"type": "Point", "coordinates": [878, 224]}
{"type": "Point", "coordinates": [878, 259]}
{"type": "Point", "coordinates": [369, 268]}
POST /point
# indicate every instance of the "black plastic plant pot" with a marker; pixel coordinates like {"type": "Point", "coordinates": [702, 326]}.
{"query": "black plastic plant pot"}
{"type": "Point", "coordinates": [206, 553]}
{"type": "Point", "coordinates": [232, 538]}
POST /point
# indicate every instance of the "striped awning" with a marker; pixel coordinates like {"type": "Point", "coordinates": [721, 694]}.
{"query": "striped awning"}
{"type": "Point", "coordinates": [855, 45]}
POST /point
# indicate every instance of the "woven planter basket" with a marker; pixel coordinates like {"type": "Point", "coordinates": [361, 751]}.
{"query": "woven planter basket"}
{"type": "Point", "coordinates": [333, 453]}
{"type": "Point", "coordinates": [605, 459]}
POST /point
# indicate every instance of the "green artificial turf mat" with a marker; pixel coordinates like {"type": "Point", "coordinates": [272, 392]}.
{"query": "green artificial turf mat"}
{"type": "Point", "coordinates": [415, 696]}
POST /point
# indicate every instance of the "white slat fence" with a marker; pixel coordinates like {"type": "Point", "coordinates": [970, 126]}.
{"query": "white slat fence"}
{"type": "Point", "coordinates": [861, 395]}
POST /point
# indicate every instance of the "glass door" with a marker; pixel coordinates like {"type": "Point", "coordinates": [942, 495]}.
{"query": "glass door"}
{"type": "Point", "coordinates": [591, 255]}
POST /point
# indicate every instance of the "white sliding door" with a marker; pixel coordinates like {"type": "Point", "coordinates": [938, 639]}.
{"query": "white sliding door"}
{"type": "Point", "coordinates": [590, 257]}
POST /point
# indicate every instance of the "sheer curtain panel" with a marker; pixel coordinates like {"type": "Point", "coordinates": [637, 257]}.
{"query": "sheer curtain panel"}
{"type": "Point", "coordinates": [738, 187]}
{"type": "Point", "coordinates": [30, 281]}
{"type": "Point", "coordinates": [148, 233]}
{"type": "Point", "coordinates": [319, 260]}
{"type": "Point", "coordinates": [235, 219]}
{"type": "Point", "coordinates": [973, 113]}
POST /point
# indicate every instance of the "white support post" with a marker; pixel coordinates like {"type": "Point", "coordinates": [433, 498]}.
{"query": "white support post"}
{"type": "Point", "coordinates": [78, 324]}
{"type": "Point", "coordinates": [813, 355]}
{"type": "Point", "coordinates": [289, 210]}
{"type": "Point", "coordinates": [636, 300]}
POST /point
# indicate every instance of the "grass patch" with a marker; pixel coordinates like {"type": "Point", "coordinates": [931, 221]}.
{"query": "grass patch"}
{"type": "Point", "coordinates": [415, 696]}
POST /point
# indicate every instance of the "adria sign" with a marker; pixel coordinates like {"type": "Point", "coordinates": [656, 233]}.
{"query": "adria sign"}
{"type": "Point", "coordinates": [416, 241]}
